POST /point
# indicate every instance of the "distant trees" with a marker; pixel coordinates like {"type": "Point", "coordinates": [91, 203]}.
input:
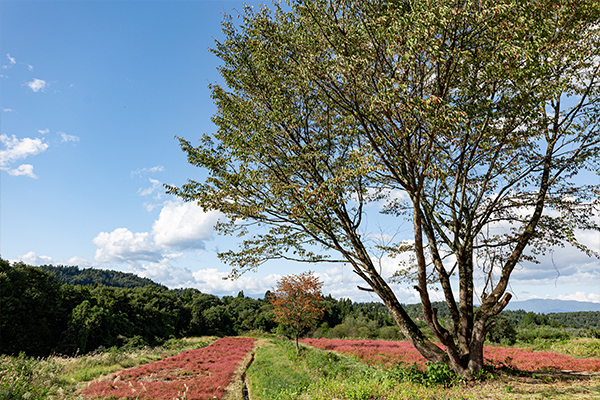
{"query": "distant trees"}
{"type": "Point", "coordinates": [89, 276]}
{"type": "Point", "coordinates": [39, 316]}
{"type": "Point", "coordinates": [297, 302]}
{"type": "Point", "coordinates": [578, 319]}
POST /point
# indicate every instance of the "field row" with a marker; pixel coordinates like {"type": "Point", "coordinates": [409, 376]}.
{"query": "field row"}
{"type": "Point", "coordinates": [194, 374]}
{"type": "Point", "coordinates": [386, 353]}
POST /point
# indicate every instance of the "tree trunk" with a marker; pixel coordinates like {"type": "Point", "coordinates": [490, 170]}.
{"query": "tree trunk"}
{"type": "Point", "coordinates": [476, 348]}
{"type": "Point", "coordinates": [407, 326]}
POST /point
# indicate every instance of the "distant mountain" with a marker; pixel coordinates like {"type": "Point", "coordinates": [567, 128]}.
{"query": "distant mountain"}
{"type": "Point", "coordinates": [546, 306]}
{"type": "Point", "coordinates": [90, 276]}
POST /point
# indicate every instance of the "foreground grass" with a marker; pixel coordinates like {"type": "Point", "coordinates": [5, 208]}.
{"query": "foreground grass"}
{"type": "Point", "coordinates": [25, 378]}
{"type": "Point", "coordinates": [279, 374]}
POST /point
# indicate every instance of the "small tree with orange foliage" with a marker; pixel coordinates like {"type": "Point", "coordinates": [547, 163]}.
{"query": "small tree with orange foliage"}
{"type": "Point", "coordinates": [298, 302]}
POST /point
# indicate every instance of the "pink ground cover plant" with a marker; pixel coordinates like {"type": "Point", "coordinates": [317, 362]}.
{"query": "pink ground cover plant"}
{"type": "Point", "coordinates": [195, 374]}
{"type": "Point", "coordinates": [386, 353]}
{"type": "Point", "coordinates": [374, 352]}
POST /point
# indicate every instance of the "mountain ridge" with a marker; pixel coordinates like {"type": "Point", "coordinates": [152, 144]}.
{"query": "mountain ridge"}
{"type": "Point", "coordinates": [546, 306]}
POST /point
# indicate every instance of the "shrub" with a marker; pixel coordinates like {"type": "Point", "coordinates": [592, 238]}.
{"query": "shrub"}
{"type": "Point", "coordinates": [532, 334]}
{"type": "Point", "coordinates": [390, 333]}
{"type": "Point", "coordinates": [503, 331]}
{"type": "Point", "coordinates": [435, 374]}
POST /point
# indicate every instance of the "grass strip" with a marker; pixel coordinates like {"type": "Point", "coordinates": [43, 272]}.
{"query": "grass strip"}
{"type": "Point", "coordinates": [277, 373]}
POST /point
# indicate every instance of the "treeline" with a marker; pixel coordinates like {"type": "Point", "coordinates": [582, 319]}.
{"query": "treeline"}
{"type": "Point", "coordinates": [41, 315]}
{"type": "Point", "coordinates": [90, 276]}
{"type": "Point", "coordinates": [574, 319]}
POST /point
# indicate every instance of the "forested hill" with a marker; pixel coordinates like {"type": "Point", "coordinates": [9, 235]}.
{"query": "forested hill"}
{"type": "Point", "coordinates": [90, 276]}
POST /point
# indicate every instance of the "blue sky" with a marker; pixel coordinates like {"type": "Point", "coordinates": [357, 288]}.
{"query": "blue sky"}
{"type": "Point", "coordinates": [92, 95]}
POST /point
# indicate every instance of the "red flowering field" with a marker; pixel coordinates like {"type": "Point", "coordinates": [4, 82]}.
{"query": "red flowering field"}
{"type": "Point", "coordinates": [375, 352]}
{"type": "Point", "coordinates": [386, 353]}
{"type": "Point", "coordinates": [195, 374]}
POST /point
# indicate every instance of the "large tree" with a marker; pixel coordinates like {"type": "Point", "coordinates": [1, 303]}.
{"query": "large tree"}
{"type": "Point", "coordinates": [481, 114]}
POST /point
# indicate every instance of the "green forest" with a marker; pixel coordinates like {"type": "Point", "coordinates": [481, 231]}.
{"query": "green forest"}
{"type": "Point", "coordinates": [65, 310]}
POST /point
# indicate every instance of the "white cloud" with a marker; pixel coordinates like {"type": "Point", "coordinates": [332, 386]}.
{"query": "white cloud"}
{"type": "Point", "coordinates": [165, 273]}
{"type": "Point", "coordinates": [342, 282]}
{"type": "Point", "coordinates": [140, 171]}
{"type": "Point", "coordinates": [566, 266]}
{"type": "Point", "coordinates": [16, 149]}
{"type": "Point", "coordinates": [81, 262]}
{"type": "Point", "coordinates": [19, 148]}
{"type": "Point", "coordinates": [44, 131]}
{"type": "Point", "coordinates": [156, 185]}
{"type": "Point", "coordinates": [22, 170]}
{"type": "Point", "coordinates": [68, 138]}
{"type": "Point", "coordinates": [183, 226]}
{"type": "Point", "coordinates": [211, 280]}
{"type": "Point", "coordinates": [30, 67]}
{"type": "Point", "coordinates": [36, 85]}
{"type": "Point", "coordinates": [32, 259]}
{"type": "Point", "coordinates": [122, 245]}
{"type": "Point", "coordinates": [11, 61]}
{"type": "Point", "coordinates": [149, 206]}
{"type": "Point", "coordinates": [8, 110]}
{"type": "Point", "coordinates": [581, 296]}
{"type": "Point", "coordinates": [180, 226]}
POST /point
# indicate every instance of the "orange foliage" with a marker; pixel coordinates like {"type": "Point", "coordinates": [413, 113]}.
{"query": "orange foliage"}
{"type": "Point", "coordinates": [298, 301]}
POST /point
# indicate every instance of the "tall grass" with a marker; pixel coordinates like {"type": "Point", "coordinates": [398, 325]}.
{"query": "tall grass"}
{"type": "Point", "coordinates": [583, 348]}
{"type": "Point", "coordinates": [23, 377]}
{"type": "Point", "coordinates": [576, 347]}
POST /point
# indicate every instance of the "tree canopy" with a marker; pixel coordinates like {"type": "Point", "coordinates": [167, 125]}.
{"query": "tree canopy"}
{"type": "Point", "coordinates": [72, 275]}
{"type": "Point", "coordinates": [472, 120]}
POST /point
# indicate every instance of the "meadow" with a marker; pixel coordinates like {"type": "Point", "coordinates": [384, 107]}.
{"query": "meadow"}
{"type": "Point", "coordinates": [211, 368]}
